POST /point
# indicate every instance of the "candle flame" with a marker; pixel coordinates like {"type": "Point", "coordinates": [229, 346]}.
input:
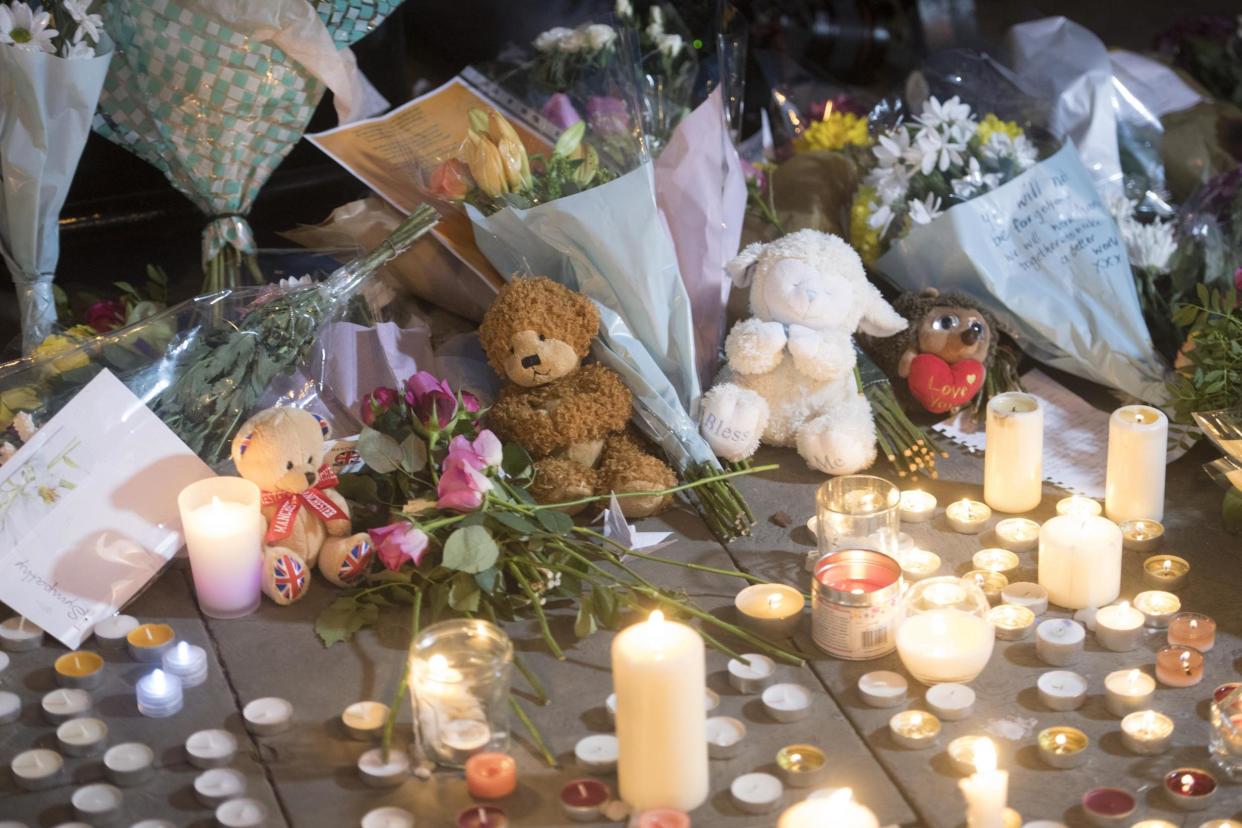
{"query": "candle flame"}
{"type": "Point", "coordinates": [1167, 565]}
{"type": "Point", "coordinates": [437, 665]}
{"type": "Point", "coordinates": [1188, 783]}
{"type": "Point", "coordinates": [774, 600]}
{"type": "Point", "coordinates": [657, 617]}
{"type": "Point", "coordinates": [839, 799]}
{"type": "Point", "coordinates": [985, 756]}
{"type": "Point", "coordinates": [1185, 660]}
{"type": "Point", "coordinates": [1134, 680]}
{"type": "Point", "coordinates": [1060, 740]}
{"type": "Point", "coordinates": [159, 683]}
{"type": "Point", "coordinates": [1194, 625]}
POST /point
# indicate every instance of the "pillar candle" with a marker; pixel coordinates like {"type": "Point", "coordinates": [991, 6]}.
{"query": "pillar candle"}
{"type": "Point", "coordinates": [1013, 460]}
{"type": "Point", "coordinates": [224, 538]}
{"type": "Point", "coordinates": [659, 672]}
{"type": "Point", "coordinates": [1080, 561]}
{"type": "Point", "coordinates": [837, 809]}
{"type": "Point", "coordinates": [986, 789]}
{"type": "Point", "coordinates": [1138, 437]}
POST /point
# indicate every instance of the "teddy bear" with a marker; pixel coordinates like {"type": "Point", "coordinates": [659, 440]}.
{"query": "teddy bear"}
{"type": "Point", "coordinates": [281, 450]}
{"type": "Point", "coordinates": [944, 355]}
{"type": "Point", "coordinates": [789, 373]}
{"type": "Point", "coordinates": [571, 417]}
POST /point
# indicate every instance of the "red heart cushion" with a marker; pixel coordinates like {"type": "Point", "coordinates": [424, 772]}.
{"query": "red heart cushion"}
{"type": "Point", "coordinates": [942, 387]}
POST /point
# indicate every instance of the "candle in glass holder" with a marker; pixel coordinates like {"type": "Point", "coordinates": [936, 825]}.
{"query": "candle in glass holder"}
{"type": "Point", "coordinates": [1127, 691]}
{"type": "Point", "coordinates": [1138, 437]}
{"type": "Point", "coordinates": [1166, 572]}
{"type": "Point", "coordinates": [1026, 594]}
{"type": "Point", "coordinates": [986, 789]}
{"type": "Point", "coordinates": [1158, 607]}
{"type": "Point", "coordinates": [1079, 505]}
{"type": "Point", "coordinates": [1119, 627]}
{"type": "Point", "coordinates": [1141, 535]}
{"type": "Point", "coordinates": [1013, 458]}
{"type": "Point", "coordinates": [1146, 732]}
{"type": "Point", "coordinates": [1192, 629]}
{"type": "Point", "coordinates": [992, 583]}
{"type": "Point", "coordinates": [772, 610]}
{"type": "Point", "coordinates": [1179, 666]}
{"type": "Point", "coordinates": [838, 809]}
{"type": "Point", "coordinates": [224, 539]}
{"type": "Point", "coordinates": [81, 669]}
{"type": "Point", "coordinates": [1190, 789]}
{"type": "Point", "coordinates": [491, 775]}
{"type": "Point", "coordinates": [969, 517]}
{"type": "Point", "coordinates": [802, 766]}
{"type": "Point", "coordinates": [916, 506]}
{"type": "Point", "coordinates": [917, 564]}
{"type": "Point", "coordinates": [944, 634]}
{"type": "Point", "coordinates": [1011, 622]}
{"type": "Point", "coordinates": [914, 729]}
{"type": "Point", "coordinates": [996, 560]}
{"type": "Point", "coordinates": [1062, 747]}
{"type": "Point", "coordinates": [1080, 561]}
{"type": "Point", "coordinates": [1017, 534]}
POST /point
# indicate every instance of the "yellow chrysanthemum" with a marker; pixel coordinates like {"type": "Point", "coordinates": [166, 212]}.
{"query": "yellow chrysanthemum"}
{"type": "Point", "coordinates": [863, 236]}
{"type": "Point", "coordinates": [838, 130]}
{"type": "Point", "coordinates": [62, 353]}
{"type": "Point", "coordinates": [991, 124]}
{"type": "Point", "coordinates": [22, 398]}
{"type": "Point", "coordinates": [82, 332]}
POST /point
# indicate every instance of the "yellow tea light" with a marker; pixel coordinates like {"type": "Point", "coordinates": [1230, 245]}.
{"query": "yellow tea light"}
{"type": "Point", "coordinates": [990, 582]}
{"type": "Point", "coordinates": [1166, 572]}
{"type": "Point", "coordinates": [1062, 747]}
{"type": "Point", "coordinates": [802, 766]}
{"type": "Point", "coordinates": [1141, 535]}
{"type": "Point", "coordinates": [968, 517]}
{"type": "Point", "coordinates": [81, 668]}
{"type": "Point", "coordinates": [1146, 732]}
{"type": "Point", "coordinates": [149, 642]}
{"type": "Point", "coordinates": [1011, 622]}
{"type": "Point", "coordinates": [996, 560]}
{"type": "Point", "coordinates": [914, 729]}
{"type": "Point", "coordinates": [1158, 607]}
{"type": "Point", "coordinates": [1078, 505]}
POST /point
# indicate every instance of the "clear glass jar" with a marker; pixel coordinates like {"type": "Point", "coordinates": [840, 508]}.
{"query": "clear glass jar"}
{"type": "Point", "coordinates": [459, 686]}
{"type": "Point", "coordinates": [1225, 738]}
{"type": "Point", "coordinates": [858, 511]}
{"type": "Point", "coordinates": [943, 632]}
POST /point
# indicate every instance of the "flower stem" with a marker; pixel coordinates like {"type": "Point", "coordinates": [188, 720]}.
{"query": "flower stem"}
{"type": "Point", "coordinates": [403, 685]}
{"type": "Point", "coordinates": [694, 484]}
{"type": "Point", "coordinates": [535, 735]}
{"type": "Point", "coordinates": [537, 608]}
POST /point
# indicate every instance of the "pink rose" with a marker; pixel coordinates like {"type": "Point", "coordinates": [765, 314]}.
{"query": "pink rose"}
{"type": "Point", "coordinates": [377, 404]}
{"type": "Point", "coordinates": [559, 109]}
{"type": "Point", "coordinates": [105, 315]}
{"type": "Point", "coordinates": [484, 453]}
{"type": "Point", "coordinates": [463, 486]}
{"type": "Point", "coordinates": [1237, 279]}
{"type": "Point", "coordinates": [451, 180]}
{"type": "Point", "coordinates": [397, 542]}
{"type": "Point", "coordinates": [428, 396]}
{"type": "Point", "coordinates": [608, 115]}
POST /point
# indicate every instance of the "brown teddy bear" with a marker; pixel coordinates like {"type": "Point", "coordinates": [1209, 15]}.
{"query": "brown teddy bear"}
{"type": "Point", "coordinates": [570, 417]}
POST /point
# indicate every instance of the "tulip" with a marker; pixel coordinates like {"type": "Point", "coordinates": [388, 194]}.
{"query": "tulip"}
{"type": "Point", "coordinates": [450, 180]}
{"type": "Point", "coordinates": [485, 163]}
{"type": "Point", "coordinates": [398, 542]}
{"type": "Point", "coordinates": [512, 152]}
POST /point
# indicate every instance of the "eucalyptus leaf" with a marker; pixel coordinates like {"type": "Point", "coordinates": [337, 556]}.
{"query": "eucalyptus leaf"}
{"type": "Point", "coordinates": [470, 549]}
{"type": "Point", "coordinates": [379, 451]}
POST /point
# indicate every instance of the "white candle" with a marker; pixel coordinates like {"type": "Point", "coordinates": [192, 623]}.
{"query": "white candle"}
{"type": "Point", "coordinates": [129, 763]}
{"type": "Point", "coordinates": [1119, 627]}
{"type": "Point", "coordinates": [751, 673]}
{"type": "Point", "coordinates": [241, 813]}
{"type": "Point", "coordinates": [38, 769]}
{"type": "Point", "coordinates": [838, 810]}
{"type": "Point", "coordinates": [916, 506]}
{"type": "Point", "coordinates": [945, 645]}
{"type": "Point", "coordinates": [1079, 505]}
{"type": "Point", "coordinates": [994, 559]}
{"type": "Point", "coordinates": [65, 704]}
{"type": "Point", "coordinates": [772, 610]}
{"type": "Point", "coordinates": [378, 772]}
{"type": "Point", "coordinates": [1026, 594]}
{"type": "Point", "coordinates": [210, 748]}
{"type": "Point", "coordinates": [598, 753]}
{"type": "Point", "coordinates": [1138, 438]}
{"type": "Point", "coordinates": [951, 702]}
{"type": "Point", "coordinates": [1014, 454]}
{"type": "Point", "coordinates": [153, 823]}
{"type": "Point", "coordinates": [969, 517]}
{"type": "Point", "coordinates": [659, 672]}
{"type": "Point", "coordinates": [1017, 534]}
{"type": "Point", "coordinates": [388, 816]}
{"type": "Point", "coordinates": [224, 538]}
{"type": "Point", "coordinates": [1146, 732]}
{"type": "Point", "coordinates": [1058, 641]}
{"type": "Point", "coordinates": [218, 785]}
{"type": "Point", "coordinates": [1127, 691]}
{"type": "Point", "coordinates": [756, 793]}
{"type": "Point", "coordinates": [1080, 561]}
{"type": "Point", "coordinates": [268, 716]}
{"type": "Point", "coordinates": [365, 720]}
{"type": "Point", "coordinates": [99, 803]}
{"type": "Point", "coordinates": [986, 789]}
{"type": "Point", "coordinates": [1061, 690]}
{"type": "Point", "coordinates": [19, 635]}
{"type": "Point", "coordinates": [883, 688]}
{"type": "Point", "coordinates": [917, 564]}
{"type": "Point", "coordinates": [724, 737]}
{"type": "Point", "coordinates": [187, 662]}
{"type": "Point", "coordinates": [10, 707]}
{"type": "Point", "coordinates": [81, 737]}
{"type": "Point", "coordinates": [787, 702]}
{"type": "Point", "coordinates": [110, 632]}
{"type": "Point", "coordinates": [914, 729]}
{"type": "Point", "coordinates": [159, 695]}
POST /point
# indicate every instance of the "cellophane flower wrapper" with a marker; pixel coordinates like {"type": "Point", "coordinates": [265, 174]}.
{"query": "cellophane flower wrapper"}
{"type": "Point", "coordinates": [46, 106]}
{"type": "Point", "coordinates": [215, 93]}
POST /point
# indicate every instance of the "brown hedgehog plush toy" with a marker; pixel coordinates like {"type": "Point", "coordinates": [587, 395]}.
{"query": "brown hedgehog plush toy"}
{"type": "Point", "coordinates": [570, 417]}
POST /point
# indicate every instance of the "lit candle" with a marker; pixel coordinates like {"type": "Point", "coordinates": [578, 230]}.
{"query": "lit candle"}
{"type": "Point", "coordinates": [1013, 457]}
{"type": "Point", "coordinates": [883, 688]}
{"type": "Point", "coordinates": [948, 641]}
{"type": "Point", "coordinates": [1193, 629]}
{"type": "Point", "coordinates": [82, 669]}
{"type": "Point", "coordinates": [663, 818]}
{"type": "Point", "coordinates": [365, 720]}
{"type": "Point", "coordinates": [949, 701]}
{"type": "Point", "coordinates": [751, 673]}
{"type": "Point", "coordinates": [224, 539]}
{"type": "Point", "coordinates": [1190, 789]}
{"type": "Point", "coordinates": [19, 635]}
{"type": "Point", "coordinates": [1058, 641]}
{"type": "Point", "coordinates": [1158, 607]}
{"type": "Point", "coordinates": [962, 750]}
{"type": "Point", "coordinates": [129, 764]}
{"type": "Point", "coordinates": [917, 564]}
{"type": "Point", "coordinates": [1080, 561]}
{"type": "Point", "coordinates": [1178, 666]}
{"type": "Point", "coordinates": [992, 583]}
{"type": "Point", "coordinates": [148, 642]}
{"type": "Point", "coordinates": [1108, 806]}
{"type": "Point", "coordinates": [1011, 622]}
{"type": "Point", "coordinates": [159, 695]}
{"type": "Point", "coordinates": [1061, 690]}
{"type": "Point", "coordinates": [597, 753]}
{"type": "Point", "coordinates": [1119, 627]}
{"type": "Point", "coordinates": [110, 632]}
{"type": "Point", "coordinates": [969, 517]}
{"type": "Point", "coordinates": [99, 803]}
{"type": "Point", "coordinates": [787, 702]}
{"type": "Point", "coordinates": [659, 672]}
{"type": "Point", "coordinates": [772, 610]}
{"type": "Point", "coordinates": [838, 809]}
{"type": "Point", "coordinates": [1026, 594]}
{"type": "Point", "coordinates": [986, 789]}
{"type": "Point", "coordinates": [724, 737]}
{"type": "Point", "coordinates": [217, 785]}
{"type": "Point", "coordinates": [1017, 534]}
{"type": "Point", "coordinates": [65, 704]}
{"type": "Point", "coordinates": [268, 716]}
{"type": "Point", "coordinates": [210, 748]}
{"type": "Point", "coordinates": [187, 662]}
{"type": "Point", "coordinates": [996, 560]}
{"type": "Point", "coordinates": [1141, 535]}
{"type": "Point", "coordinates": [81, 737]}
{"type": "Point", "coordinates": [1062, 747]}
{"type": "Point", "coordinates": [914, 729]}
{"type": "Point", "coordinates": [388, 816]}
{"type": "Point", "coordinates": [241, 813]}
{"type": "Point", "coordinates": [1127, 691]}
{"type": "Point", "coordinates": [1146, 732]}
{"type": "Point", "coordinates": [802, 766]}
{"type": "Point", "coordinates": [917, 506]}
{"type": "Point", "coordinates": [38, 769]}
{"type": "Point", "coordinates": [583, 799]}
{"type": "Point", "coordinates": [1079, 505]}
{"type": "Point", "coordinates": [378, 771]}
{"type": "Point", "coordinates": [756, 793]}
{"type": "Point", "coordinates": [1138, 442]}
{"type": "Point", "coordinates": [491, 775]}
{"type": "Point", "coordinates": [1166, 572]}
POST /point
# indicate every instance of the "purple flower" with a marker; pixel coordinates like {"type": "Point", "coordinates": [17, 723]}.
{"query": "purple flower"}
{"type": "Point", "coordinates": [105, 315]}
{"type": "Point", "coordinates": [428, 396]}
{"type": "Point", "coordinates": [559, 109]}
{"type": "Point", "coordinates": [377, 404]}
{"type": "Point", "coordinates": [397, 542]}
{"type": "Point", "coordinates": [608, 115]}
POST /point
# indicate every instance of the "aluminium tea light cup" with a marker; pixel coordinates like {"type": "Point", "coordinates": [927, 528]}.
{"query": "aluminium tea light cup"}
{"type": "Point", "coordinates": [1179, 666]}
{"type": "Point", "coordinates": [18, 635]}
{"type": "Point", "coordinates": [388, 816]}
{"type": "Point", "coordinates": [218, 785]}
{"type": "Point", "coordinates": [751, 673]}
{"type": "Point", "coordinates": [597, 753]}
{"type": "Point", "coordinates": [210, 748]}
{"type": "Point", "coordinates": [1119, 627]}
{"type": "Point", "coordinates": [950, 702]}
{"type": "Point", "coordinates": [110, 633]}
{"type": "Point", "coordinates": [1167, 572]}
{"type": "Point", "coordinates": [992, 583]}
{"type": "Point", "coordinates": [268, 716]}
{"type": "Point", "coordinates": [1079, 505]}
{"type": "Point", "coordinates": [771, 610]}
{"type": "Point", "coordinates": [1141, 535]}
{"type": "Point", "coordinates": [1158, 607]}
{"type": "Point", "coordinates": [787, 702]}
{"type": "Point", "coordinates": [1059, 641]}
{"type": "Point", "coordinates": [1146, 732]}
{"type": "Point", "coordinates": [147, 643]}
{"type": "Point", "coordinates": [1026, 594]}
{"type": "Point", "coordinates": [914, 729]}
{"type": "Point", "coordinates": [38, 769]}
{"type": "Point", "coordinates": [883, 688]}
{"type": "Point", "coordinates": [802, 765]}
{"type": "Point", "coordinates": [81, 737]}
{"type": "Point", "coordinates": [1017, 534]}
{"type": "Point", "coordinates": [1192, 629]}
{"type": "Point", "coordinates": [81, 669]}
{"type": "Point", "coordinates": [916, 506]}
{"type": "Point", "coordinates": [1108, 807]}
{"type": "Point", "coordinates": [756, 793]}
{"type": "Point", "coordinates": [725, 735]}
{"type": "Point", "coordinates": [1011, 622]}
{"type": "Point", "coordinates": [241, 813]}
{"type": "Point", "coordinates": [961, 752]}
{"type": "Point", "coordinates": [996, 559]}
{"type": "Point", "coordinates": [378, 772]}
{"type": "Point", "coordinates": [918, 563]}
{"type": "Point", "coordinates": [10, 707]}
{"type": "Point", "coordinates": [128, 764]}
{"type": "Point", "coordinates": [61, 705]}
{"type": "Point", "coordinates": [1189, 789]}
{"type": "Point", "coordinates": [968, 517]}
{"type": "Point", "coordinates": [1061, 690]}
{"type": "Point", "coordinates": [583, 800]}
{"type": "Point", "coordinates": [1126, 691]}
{"type": "Point", "coordinates": [4, 661]}
{"type": "Point", "coordinates": [187, 662]}
{"type": "Point", "coordinates": [98, 804]}
{"type": "Point", "coordinates": [1062, 747]}
{"type": "Point", "coordinates": [483, 816]}
{"type": "Point", "coordinates": [365, 720]}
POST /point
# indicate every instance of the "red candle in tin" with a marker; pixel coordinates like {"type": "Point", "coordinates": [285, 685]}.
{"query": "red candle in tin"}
{"type": "Point", "coordinates": [1108, 802]}
{"type": "Point", "coordinates": [1222, 692]}
{"type": "Point", "coordinates": [1189, 782]}
{"type": "Point", "coordinates": [482, 816]}
{"type": "Point", "coordinates": [585, 793]}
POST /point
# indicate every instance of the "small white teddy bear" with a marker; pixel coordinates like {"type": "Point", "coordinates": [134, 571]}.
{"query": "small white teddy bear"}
{"type": "Point", "coordinates": [789, 379]}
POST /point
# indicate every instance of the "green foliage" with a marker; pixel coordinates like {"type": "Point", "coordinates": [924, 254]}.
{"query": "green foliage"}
{"type": "Point", "coordinates": [1212, 378]}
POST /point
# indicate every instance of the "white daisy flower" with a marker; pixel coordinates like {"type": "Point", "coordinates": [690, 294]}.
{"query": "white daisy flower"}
{"type": "Point", "coordinates": [974, 181]}
{"type": "Point", "coordinates": [78, 50]}
{"type": "Point", "coordinates": [550, 39]}
{"type": "Point", "coordinates": [89, 25]}
{"type": "Point", "coordinates": [892, 148]}
{"type": "Point", "coordinates": [669, 45]}
{"type": "Point", "coordinates": [938, 151]}
{"type": "Point", "coordinates": [625, 9]}
{"type": "Point", "coordinates": [600, 36]}
{"type": "Point", "coordinates": [951, 118]}
{"type": "Point", "coordinates": [925, 211]}
{"type": "Point", "coordinates": [1149, 246]}
{"type": "Point", "coordinates": [24, 425]}
{"type": "Point", "coordinates": [881, 218]}
{"type": "Point", "coordinates": [890, 183]}
{"type": "Point", "coordinates": [1025, 152]}
{"type": "Point", "coordinates": [25, 28]}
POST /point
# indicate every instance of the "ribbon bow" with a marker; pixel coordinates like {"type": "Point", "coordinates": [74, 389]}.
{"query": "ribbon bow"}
{"type": "Point", "coordinates": [288, 504]}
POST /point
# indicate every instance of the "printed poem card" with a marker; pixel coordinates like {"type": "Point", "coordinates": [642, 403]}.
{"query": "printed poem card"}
{"type": "Point", "coordinates": [88, 510]}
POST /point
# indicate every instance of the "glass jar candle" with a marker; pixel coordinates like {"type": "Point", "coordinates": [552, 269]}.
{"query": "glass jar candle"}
{"type": "Point", "coordinates": [858, 511]}
{"type": "Point", "coordinates": [459, 683]}
{"type": "Point", "coordinates": [1225, 737]}
{"type": "Point", "coordinates": [943, 632]}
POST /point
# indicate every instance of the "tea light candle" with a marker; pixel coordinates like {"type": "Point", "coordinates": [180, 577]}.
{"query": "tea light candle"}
{"type": "Point", "coordinates": [1058, 641]}
{"type": "Point", "coordinates": [711, 699]}
{"type": "Point", "coordinates": [37, 770]}
{"type": "Point", "coordinates": [1026, 594]}
{"type": "Point", "coordinates": [1222, 691]}
{"type": "Point", "coordinates": [491, 775]}
{"type": "Point", "coordinates": [1159, 823]}
{"type": "Point", "coordinates": [1146, 732]}
{"type": "Point", "coordinates": [1158, 607]}
{"type": "Point", "coordinates": [986, 789]}
{"type": "Point", "coordinates": [1192, 629]}
{"type": "Point", "coordinates": [1138, 437]}
{"type": "Point", "coordinates": [724, 737]}
{"type": "Point", "coordinates": [583, 799]}
{"type": "Point", "coordinates": [81, 668]}
{"type": "Point", "coordinates": [1062, 747]}
{"type": "Point", "coordinates": [81, 737]}
{"type": "Point", "coordinates": [1017, 534]}
{"type": "Point", "coordinates": [1013, 458]}
{"type": "Point", "coordinates": [1079, 505]}
{"type": "Point", "coordinates": [389, 816]}
{"type": "Point", "coordinates": [148, 642]}
{"type": "Point", "coordinates": [787, 702]}
{"type": "Point", "coordinates": [10, 707]}
{"type": "Point", "coordinates": [598, 753]}
{"type": "Point", "coordinates": [1011, 622]}
{"type": "Point", "coordinates": [1166, 572]}
{"type": "Point", "coordinates": [1119, 627]}
{"type": "Point", "coordinates": [365, 720]}
{"type": "Point", "coordinates": [218, 785]}
{"type": "Point", "coordinates": [223, 528]}
{"type": "Point", "coordinates": [111, 632]}
{"type": "Point", "coordinates": [482, 816]}
{"type": "Point", "coordinates": [1080, 561]}
{"type": "Point", "coordinates": [99, 803]}
{"type": "Point", "coordinates": [1108, 807]}
{"type": "Point", "coordinates": [187, 662]}
{"type": "Point", "coordinates": [17, 635]}
{"type": "Point", "coordinates": [129, 764]}
{"type": "Point", "coordinates": [961, 752]}
{"type": "Point", "coordinates": [1190, 789]}
{"type": "Point", "coordinates": [914, 729]}
{"type": "Point", "coordinates": [1061, 690]}
{"type": "Point", "coordinates": [836, 808]}
{"type": "Point", "coordinates": [378, 772]}
{"type": "Point", "coordinates": [241, 813]}
{"type": "Point", "coordinates": [663, 818]}
{"type": "Point", "coordinates": [1179, 666]}
{"type": "Point", "coordinates": [1127, 691]}
{"type": "Point", "coordinates": [992, 583]}
{"type": "Point", "coordinates": [268, 716]}
{"type": "Point", "coordinates": [917, 564]}
{"type": "Point", "coordinates": [1141, 535]}
{"type": "Point", "coordinates": [159, 695]}
{"type": "Point", "coordinates": [751, 673]}
{"type": "Point", "coordinates": [802, 766]}
{"type": "Point", "coordinates": [62, 705]}
{"type": "Point", "coordinates": [756, 793]}
{"type": "Point", "coordinates": [996, 560]}
{"type": "Point", "coordinates": [883, 688]}
{"type": "Point", "coordinates": [210, 748]}
{"type": "Point", "coordinates": [951, 702]}
{"type": "Point", "coordinates": [771, 610]}
{"type": "Point", "coordinates": [916, 506]}
{"type": "Point", "coordinates": [969, 517]}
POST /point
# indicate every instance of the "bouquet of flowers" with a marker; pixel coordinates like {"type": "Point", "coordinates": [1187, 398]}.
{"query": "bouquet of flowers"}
{"type": "Point", "coordinates": [53, 59]}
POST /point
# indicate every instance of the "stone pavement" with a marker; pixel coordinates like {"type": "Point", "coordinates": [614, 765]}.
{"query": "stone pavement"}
{"type": "Point", "coordinates": [307, 776]}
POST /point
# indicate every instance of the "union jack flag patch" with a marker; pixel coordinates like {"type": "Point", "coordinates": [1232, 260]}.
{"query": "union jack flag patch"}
{"type": "Point", "coordinates": [354, 564]}
{"type": "Point", "coordinates": [290, 577]}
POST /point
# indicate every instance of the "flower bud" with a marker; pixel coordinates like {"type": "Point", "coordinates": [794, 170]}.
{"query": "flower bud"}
{"type": "Point", "coordinates": [512, 152]}
{"type": "Point", "coordinates": [483, 159]}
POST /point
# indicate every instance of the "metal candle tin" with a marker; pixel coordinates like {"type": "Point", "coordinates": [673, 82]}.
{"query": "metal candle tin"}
{"type": "Point", "coordinates": [854, 603]}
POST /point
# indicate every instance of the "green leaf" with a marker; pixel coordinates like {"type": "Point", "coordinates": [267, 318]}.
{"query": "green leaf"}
{"type": "Point", "coordinates": [569, 140]}
{"type": "Point", "coordinates": [558, 523]}
{"type": "Point", "coordinates": [473, 519]}
{"type": "Point", "coordinates": [584, 624]}
{"type": "Point", "coordinates": [379, 451]}
{"type": "Point", "coordinates": [512, 520]}
{"type": "Point", "coordinates": [487, 579]}
{"type": "Point", "coordinates": [359, 488]}
{"type": "Point", "coordinates": [387, 576]}
{"type": "Point", "coordinates": [470, 549]}
{"type": "Point", "coordinates": [339, 620]}
{"type": "Point", "coordinates": [516, 463]}
{"type": "Point", "coordinates": [605, 601]}
{"type": "Point", "coordinates": [413, 453]}
{"type": "Point", "coordinates": [464, 593]}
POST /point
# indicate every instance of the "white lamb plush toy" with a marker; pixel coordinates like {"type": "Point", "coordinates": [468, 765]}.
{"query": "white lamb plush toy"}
{"type": "Point", "coordinates": [789, 378]}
